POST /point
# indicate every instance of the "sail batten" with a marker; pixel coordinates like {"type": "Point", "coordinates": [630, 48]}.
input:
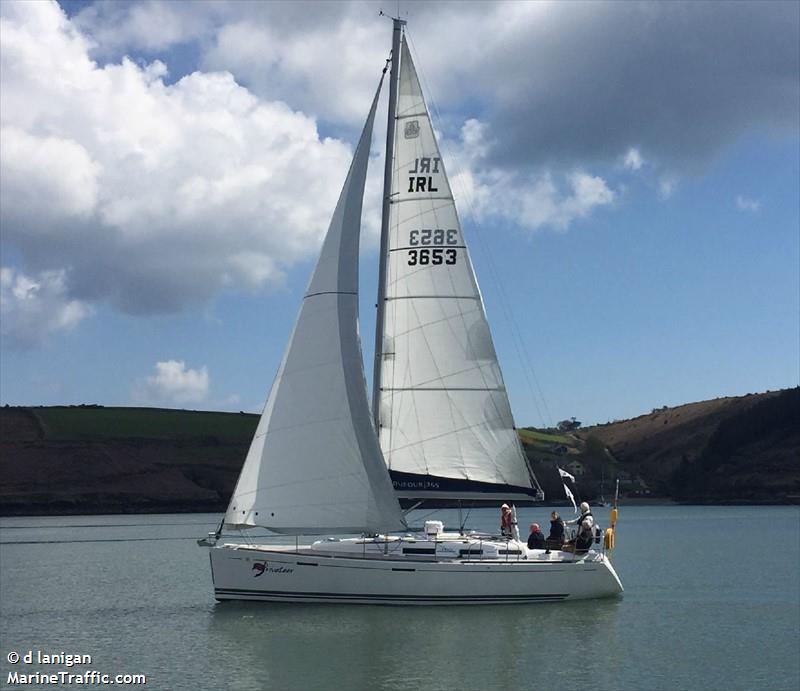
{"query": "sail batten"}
{"type": "Point", "coordinates": [315, 464]}
{"type": "Point", "coordinates": [444, 410]}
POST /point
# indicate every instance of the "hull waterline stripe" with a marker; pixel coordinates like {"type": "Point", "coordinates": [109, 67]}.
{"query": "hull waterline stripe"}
{"type": "Point", "coordinates": [382, 597]}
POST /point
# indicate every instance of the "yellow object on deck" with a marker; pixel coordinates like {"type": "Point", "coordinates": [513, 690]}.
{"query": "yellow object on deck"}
{"type": "Point", "coordinates": [609, 539]}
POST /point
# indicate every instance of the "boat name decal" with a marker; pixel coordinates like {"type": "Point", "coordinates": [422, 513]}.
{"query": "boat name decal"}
{"type": "Point", "coordinates": [415, 484]}
{"type": "Point", "coordinates": [262, 567]}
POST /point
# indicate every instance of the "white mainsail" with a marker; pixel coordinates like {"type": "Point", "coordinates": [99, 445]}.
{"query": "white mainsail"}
{"type": "Point", "coordinates": [315, 464]}
{"type": "Point", "coordinates": [444, 410]}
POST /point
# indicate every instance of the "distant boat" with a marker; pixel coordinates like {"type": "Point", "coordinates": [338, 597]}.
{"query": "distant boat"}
{"type": "Point", "coordinates": [440, 430]}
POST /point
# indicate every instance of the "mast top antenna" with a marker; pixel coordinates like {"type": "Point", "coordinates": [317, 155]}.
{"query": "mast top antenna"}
{"type": "Point", "coordinates": [397, 19]}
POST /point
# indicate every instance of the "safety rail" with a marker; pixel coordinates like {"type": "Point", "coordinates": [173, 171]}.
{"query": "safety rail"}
{"type": "Point", "coordinates": [474, 547]}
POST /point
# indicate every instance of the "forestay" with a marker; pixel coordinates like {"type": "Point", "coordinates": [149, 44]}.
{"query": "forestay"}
{"type": "Point", "coordinates": [315, 464]}
{"type": "Point", "coordinates": [444, 409]}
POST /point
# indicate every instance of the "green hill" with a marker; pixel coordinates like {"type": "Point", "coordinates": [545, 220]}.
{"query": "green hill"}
{"type": "Point", "coordinates": [92, 459]}
{"type": "Point", "coordinates": [728, 450]}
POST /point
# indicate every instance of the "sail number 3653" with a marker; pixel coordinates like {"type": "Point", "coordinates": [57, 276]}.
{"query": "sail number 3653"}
{"type": "Point", "coordinates": [435, 253]}
{"type": "Point", "coordinates": [433, 256]}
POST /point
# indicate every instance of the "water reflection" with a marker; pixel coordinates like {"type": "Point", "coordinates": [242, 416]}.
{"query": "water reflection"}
{"type": "Point", "coordinates": [307, 646]}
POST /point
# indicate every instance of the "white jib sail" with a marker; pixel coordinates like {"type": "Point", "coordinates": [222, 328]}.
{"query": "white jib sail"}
{"type": "Point", "coordinates": [315, 464]}
{"type": "Point", "coordinates": [444, 408]}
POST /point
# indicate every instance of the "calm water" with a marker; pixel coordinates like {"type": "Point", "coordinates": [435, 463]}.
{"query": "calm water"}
{"type": "Point", "coordinates": [712, 601]}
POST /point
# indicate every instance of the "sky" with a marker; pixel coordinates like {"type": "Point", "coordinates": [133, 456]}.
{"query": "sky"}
{"type": "Point", "coordinates": [627, 175]}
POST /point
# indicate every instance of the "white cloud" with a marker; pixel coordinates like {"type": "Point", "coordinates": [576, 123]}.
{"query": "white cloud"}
{"type": "Point", "coordinates": [173, 383]}
{"type": "Point", "coordinates": [154, 195]}
{"type": "Point", "coordinates": [159, 195]}
{"type": "Point", "coordinates": [35, 307]}
{"type": "Point", "coordinates": [323, 60]}
{"type": "Point", "coordinates": [290, 63]}
{"type": "Point", "coordinates": [531, 200]}
{"type": "Point", "coordinates": [747, 204]}
{"type": "Point", "coordinates": [542, 203]}
{"type": "Point", "coordinates": [150, 25]}
{"type": "Point", "coordinates": [580, 81]}
{"type": "Point", "coordinates": [633, 159]}
{"type": "Point", "coordinates": [46, 168]}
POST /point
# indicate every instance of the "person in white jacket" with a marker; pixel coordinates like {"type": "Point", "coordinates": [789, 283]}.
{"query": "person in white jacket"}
{"type": "Point", "coordinates": [585, 526]}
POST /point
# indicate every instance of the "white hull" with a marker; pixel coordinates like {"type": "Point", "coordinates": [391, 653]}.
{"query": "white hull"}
{"type": "Point", "coordinates": [276, 574]}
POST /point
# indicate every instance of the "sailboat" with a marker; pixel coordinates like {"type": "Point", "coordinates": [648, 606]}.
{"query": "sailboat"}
{"type": "Point", "coordinates": [325, 463]}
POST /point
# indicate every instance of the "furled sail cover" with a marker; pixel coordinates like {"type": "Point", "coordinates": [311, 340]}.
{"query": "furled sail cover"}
{"type": "Point", "coordinates": [315, 464]}
{"type": "Point", "coordinates": [444, 409]}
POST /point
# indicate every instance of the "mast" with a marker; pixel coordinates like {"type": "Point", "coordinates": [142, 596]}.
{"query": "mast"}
{"type": "Point", "coordinates": [387, 192]}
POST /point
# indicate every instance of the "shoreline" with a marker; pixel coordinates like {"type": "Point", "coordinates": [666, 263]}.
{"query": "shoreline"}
{"type": "Point", "coordinates": [40, 512]}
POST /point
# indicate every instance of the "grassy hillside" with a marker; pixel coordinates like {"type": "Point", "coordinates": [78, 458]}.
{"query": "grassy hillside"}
{"type": "Point", "coordinates": [590, 463]}
{"type": "Point", "coordinates": [100, 423]}
{"type": "Point", "coordinates": [649, 450]}
{"type": "Point", "coordinates": [91, 459]}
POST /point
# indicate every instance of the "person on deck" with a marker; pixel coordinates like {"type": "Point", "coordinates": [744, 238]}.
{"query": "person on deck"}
{"type": "Point", "coordinates": [506, 519]}
{"type": "Point", "coordinates": [585, 525]}
{"type": "Point", "coordinates": [556, 537]}
{"type": "Point", "coordinates": [536, 537]}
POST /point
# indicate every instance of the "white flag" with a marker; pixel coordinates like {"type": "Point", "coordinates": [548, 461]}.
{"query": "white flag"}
{"type": "Point", "coordinates": [571, 497]}
{"type": "Point", "coordinates": [564, 473]}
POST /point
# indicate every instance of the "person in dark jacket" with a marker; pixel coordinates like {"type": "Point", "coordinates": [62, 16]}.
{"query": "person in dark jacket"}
{"type": "Point", "coordinates": [536, 537]}
{"type": "Point", "coordinates": [556, 537]}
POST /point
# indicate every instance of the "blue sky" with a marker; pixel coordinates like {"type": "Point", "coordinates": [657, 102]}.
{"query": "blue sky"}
{"type": "Point", "coordinates": [627, 176]}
